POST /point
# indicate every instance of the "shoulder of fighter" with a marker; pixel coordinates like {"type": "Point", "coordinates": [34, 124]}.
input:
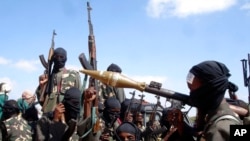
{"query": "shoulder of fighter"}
{"type": "Point", "coordinates": [72, 72]}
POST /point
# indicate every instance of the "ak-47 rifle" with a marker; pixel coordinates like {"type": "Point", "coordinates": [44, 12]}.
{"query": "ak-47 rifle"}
{"type": "Point", "coordinates": [128, 110]}
{"type": "Point", "coordinates": [91, 64]}
{"type": "Point", "coordinates": [152, 115]}
{"type": "Point", "coordinates": [48, 68]}
{"type": "Point", "coordinates": [138, 114]}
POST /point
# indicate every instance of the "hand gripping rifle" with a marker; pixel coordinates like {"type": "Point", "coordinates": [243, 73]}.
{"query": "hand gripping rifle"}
{"type": "Point", "coordinates": [119, 80]}
{"type": "Point", "coordinates": [91, 64]}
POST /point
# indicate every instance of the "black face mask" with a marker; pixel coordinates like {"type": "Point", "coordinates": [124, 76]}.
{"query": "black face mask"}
{"type": "Point", "coordinates": [209, 96]}
{"type": "Point", "coordinates": [59, 61]}
{"type": "Point", "coordinates": [200, 97]}
{"type": "Point", "coordinates": [110, 117]}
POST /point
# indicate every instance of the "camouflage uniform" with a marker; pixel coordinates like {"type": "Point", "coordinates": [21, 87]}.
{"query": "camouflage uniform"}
{"type": "Point", "coordinates": [63, 80]}
{"type": "Point", "coordinates": [17, 129]}
{"type": "Point", "coordinates": [106, 91]}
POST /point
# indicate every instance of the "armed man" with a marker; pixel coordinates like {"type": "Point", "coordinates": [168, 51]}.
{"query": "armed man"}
{"type": "Point", "coordinates": [58, 81]}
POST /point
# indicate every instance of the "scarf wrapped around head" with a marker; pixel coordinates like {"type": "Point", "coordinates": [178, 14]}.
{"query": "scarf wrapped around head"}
{"type": "Point", "coordinates": [109, 115]}
{"type": "Point", "coordinates": [114, 68]}
{"type": "Point", "coordinates": [214, 78]}
{"type": "Point", "coordinates": [59, 58]}
{"type": "Point", "coordinates": [128, 127]}
{"type": "Point", "coordinates": [71, 101]}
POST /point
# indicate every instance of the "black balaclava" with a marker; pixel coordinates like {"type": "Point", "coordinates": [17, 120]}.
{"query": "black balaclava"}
{"type": "Point", "coordinates": [59, 58]}
{"type": "Point", "coordinates": [128, 127]}
{"type": "Point", "coordinates": [71, 103]}
{"type": "Point", "coordinates": [214, 78]}
{"type": "Point", "coordinates": [110, 116]}
{"type": "Point", "coordinates": [10, 108]}
{"type": "Point", "coordinates": [114, 68]}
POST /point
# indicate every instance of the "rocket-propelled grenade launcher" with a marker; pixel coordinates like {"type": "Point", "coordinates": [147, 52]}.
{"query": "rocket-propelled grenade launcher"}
{"type": "Point", "coordinates": [118, 80]}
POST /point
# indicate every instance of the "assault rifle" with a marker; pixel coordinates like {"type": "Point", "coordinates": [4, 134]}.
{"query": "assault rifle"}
{"type": "Point", "coordinates": [138, 114]}
{"type": "Point", "coordinates": [91, 64]}
{"type": "Point", "coordinates": [152, 115]}
{"type": "Point", "coordinates": [128, 110]}
{"type": "Point", "coordinates": [48, 68]}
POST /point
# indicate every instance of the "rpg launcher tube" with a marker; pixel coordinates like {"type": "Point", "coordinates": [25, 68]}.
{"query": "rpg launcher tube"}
{"type": "Point", "coordinates": [118, 80]}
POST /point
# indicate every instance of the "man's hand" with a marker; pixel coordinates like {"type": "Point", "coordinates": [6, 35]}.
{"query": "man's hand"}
{"type": "Point", "coordinates": [89, 94]}
{"type": "Point", "coordinates": [42, 80]}
{"type": "Point", "coordinates": [59, 112]}
{"type": "Point", "coordinates": [105, 136]}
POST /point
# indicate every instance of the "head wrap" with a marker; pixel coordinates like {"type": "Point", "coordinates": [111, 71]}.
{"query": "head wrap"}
{"type": "Point", "coordinates": [10, 104]}
{"type": "Point", "coordinates": [214, 78]}
{"type": "Point", "coordinates": [10, 108]}
{"type": "Point", "coordinates": [71, 103]}
{"type": "Point", "coordinates": [111, 103]}
{"type": "Point", "coordinates": [72, 99]}
{"type": "Point", "coordinates": [114, 68]}
{"type": "Point", "coordinates": [59, 58]}
{"type": "Point", "coordinates": [210, 70]}
{"type": "Point", "coordinates": [128, 127]}
{"type": "Point", "coordinates": [109, 115]}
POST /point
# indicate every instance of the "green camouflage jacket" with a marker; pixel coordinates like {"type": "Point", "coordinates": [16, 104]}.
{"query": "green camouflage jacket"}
{"type": "Point", "coordinates": [18, 129]}
{"type": "Point", "coordinates": [107, 91]}
{"type": "Point", "coordinates": [63, 80]}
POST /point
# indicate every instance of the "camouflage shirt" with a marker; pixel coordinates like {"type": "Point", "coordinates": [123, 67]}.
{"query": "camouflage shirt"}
{"type": "Point", "coordinates": [62, 81]}
{"type": "Point", "coordinates": [18, 129]}
{"type": "Point", "coordinates": [106, 91]}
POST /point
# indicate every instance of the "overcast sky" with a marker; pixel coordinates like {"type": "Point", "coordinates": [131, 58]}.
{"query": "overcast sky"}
{"type": "Point", "coordinates": [156, 40]}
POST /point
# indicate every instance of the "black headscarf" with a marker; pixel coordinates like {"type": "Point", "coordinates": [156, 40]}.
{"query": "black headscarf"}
{"type": "Point", "coordinates": [10, 108]}
{"type": "Point", "coordinates": [128, 127]}
{"type": "Point", "coordinates": [71, 102]}
{"type": "Point", "coordinates": [114, 68]}
{"type": "Point", "coordinates": [214, 78]}
{"type": "Point", "coordinates": [59, 62]}
{"type": "Point", "coordinates": [109, 116]}
{"type": "Point", "coordinates": [112, 103]}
